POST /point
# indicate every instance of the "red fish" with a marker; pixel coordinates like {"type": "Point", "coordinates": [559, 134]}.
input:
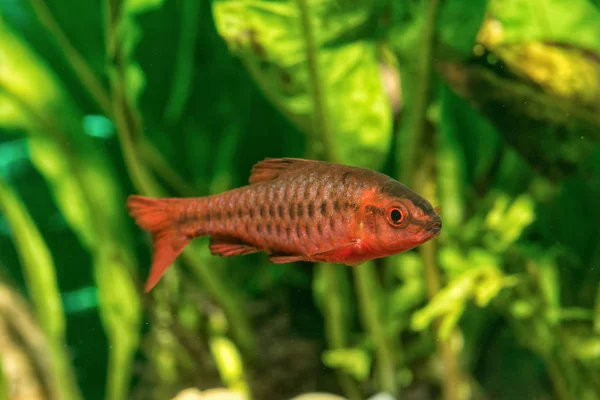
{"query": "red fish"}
{"type": "Point", "coordinates": [293, 210]}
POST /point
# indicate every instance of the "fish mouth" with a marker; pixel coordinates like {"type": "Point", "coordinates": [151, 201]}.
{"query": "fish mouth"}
{"type": "Point", "coordinates": [435, 227]}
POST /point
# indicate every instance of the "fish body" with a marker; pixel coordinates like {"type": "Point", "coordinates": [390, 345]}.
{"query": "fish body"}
{"type": "Point", "coordinates": [293, 210]}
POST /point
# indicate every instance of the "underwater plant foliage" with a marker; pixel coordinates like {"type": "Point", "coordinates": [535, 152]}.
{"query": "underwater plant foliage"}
{"type": "Point", "coordinates": [489, 109]}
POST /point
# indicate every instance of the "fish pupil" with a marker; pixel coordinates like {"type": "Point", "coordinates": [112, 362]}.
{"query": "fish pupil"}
{"type": "Point", "coordinates": [396, 216]}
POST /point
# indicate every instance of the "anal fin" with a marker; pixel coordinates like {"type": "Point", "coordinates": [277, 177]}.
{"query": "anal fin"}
{"type": "Point", "coordinates": [225, 246]}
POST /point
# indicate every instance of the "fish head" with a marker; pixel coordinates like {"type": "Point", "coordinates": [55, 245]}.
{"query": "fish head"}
{"type": "Point", "coordinates": [396, 219]}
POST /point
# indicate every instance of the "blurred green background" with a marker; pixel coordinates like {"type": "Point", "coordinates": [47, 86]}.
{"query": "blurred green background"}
{"type": "Point", "coordinates": [490, 109]}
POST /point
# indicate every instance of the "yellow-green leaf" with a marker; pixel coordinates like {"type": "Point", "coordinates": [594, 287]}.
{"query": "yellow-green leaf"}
{"type": "Point", "coordinates": [316, 64]}
{"type": "Point", "coordinates": [355, 362]}
{"type": "Point", "coordinates": [40, 274]}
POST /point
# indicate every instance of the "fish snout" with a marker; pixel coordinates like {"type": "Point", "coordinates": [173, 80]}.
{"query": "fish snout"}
{"type": "Point", "coordinates": [435, 225]}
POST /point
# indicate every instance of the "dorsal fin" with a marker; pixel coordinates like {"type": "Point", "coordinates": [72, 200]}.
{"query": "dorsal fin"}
{"type": "Point", "coordinates": [271, 168]}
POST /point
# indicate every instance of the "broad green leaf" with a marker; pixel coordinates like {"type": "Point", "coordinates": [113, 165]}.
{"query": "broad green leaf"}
{"type": "Point", "coordinates": [451, 166]}
{"type": "Point", "coordinates": [554, 134]}
{"type": "Point", "coordinates": [479, 141]}
{"type": "Point", "coordinates": [574, 22]}
{"type": "Point", "coordinates": [140, 6]}
{"type": "Point", "coordinates": [316, 62]}
{"type": "Point", "coordinates": [27, 83]}
{"type": "Point", "coordinates": [356, 362]}
{"type": "Point", "coordinates": [11, 115]}
{"type": "Point", "coordinates": [40, 273]}
{"type": "Point", "coordinates": [459, 24]}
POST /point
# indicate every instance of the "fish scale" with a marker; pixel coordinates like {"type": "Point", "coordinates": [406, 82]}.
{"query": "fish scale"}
{"type": "Point", "coordinates": [294, 210]}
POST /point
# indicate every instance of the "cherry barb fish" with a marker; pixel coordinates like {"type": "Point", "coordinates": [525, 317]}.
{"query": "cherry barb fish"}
{"type": "Point", "coordinates": [293, 210]}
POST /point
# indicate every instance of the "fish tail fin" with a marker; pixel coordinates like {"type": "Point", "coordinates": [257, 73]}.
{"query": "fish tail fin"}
{"type": "Point", "coordinates": [156, 216]}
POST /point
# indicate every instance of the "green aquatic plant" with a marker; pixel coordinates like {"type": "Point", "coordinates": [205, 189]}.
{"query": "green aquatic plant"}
{"type": "Point", "coordinates": [489, 109]}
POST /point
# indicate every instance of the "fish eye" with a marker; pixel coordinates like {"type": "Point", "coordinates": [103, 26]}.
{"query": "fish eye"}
{"type": "Point", "coordinates": [396, 216]}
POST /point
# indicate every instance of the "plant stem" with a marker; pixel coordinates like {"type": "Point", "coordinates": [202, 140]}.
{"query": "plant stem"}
{"type": "Point", "coordinates": [321, 128]}
{"type": "Point", "coordinates": [83, 70]}
{"type": "Point", "coordinates": [321, 124]}
{"type": "Point", "coordinates": [95, 87]}
{"type": "Point", "coordinates": [182, 77]}
{"type": "Point", "coordinates": [157, 163]}
{"type": "Point", "coordinates": [410, 141]}
{"type": "Point", "coordinates": [368, 289]}
{"type": "Point", "coordinates": [334, 323]}
{"type": "Point", "coordinates": [225, 296]}
{"type": "Point", "coordinates": [129, 127]}
{"type": "Point", "coordinates": [453, 379]}
{"type": "Point", "coordinates": [47, 352]}
{"type": "Point", "coordinates": [556, 376]}
{"type": "Point", "coordinates": [420, 94]}
{"type": "Point", "coordinates": [452, 373]}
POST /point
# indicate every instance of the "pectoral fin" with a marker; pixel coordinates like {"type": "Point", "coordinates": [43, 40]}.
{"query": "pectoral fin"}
{"type": "Point", "coordinates": [340, 254]}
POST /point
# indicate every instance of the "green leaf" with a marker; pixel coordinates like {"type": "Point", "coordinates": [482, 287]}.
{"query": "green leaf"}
{"type": "Point", "coordinates": [40, 274]}
{"type": "Point", "coordinates": [408, 268]}
{"type": "Point", "coordinates": [555, 134]}
{"type": "Point", "coordinates": [482, 283]}
{"type": "Point", "coordinates": [459, 24]}
{"type": "Point", "coordinates": [574, 22]}
{"type": "Point", "coordinates": [11, 115]}
{"type": "Point", "coordinates": [37, 263]}
{"type": "Point", "coordinates": [229, 363]}
{"type": "Point", "coordinates": [522, 309]}
{"type": "Point", "coordinates": [585, 348]}
{"type": "Point", "coordinates": [370, 301]}
{"type": "Point", "coordinates": [120, 306]}
{"type": "Point", "coordinates": [451, 166]}
{"type": "Point", "coordinates": [356, 362]}
{"type": "Point", "coordinates": [318, 64]}
{"type": "Point", "coordinates": [507, 220]}
{"type": "Point", "coordinates": [3, 383]}
{"type": "Point", "coordinates": [84, 187]}
{"type": "Point", "coordinates": [56, 169]}
{"type": "Point", "coordinates": [140, 6]}
{"type": "Point", "coordinates": [184, 63]}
